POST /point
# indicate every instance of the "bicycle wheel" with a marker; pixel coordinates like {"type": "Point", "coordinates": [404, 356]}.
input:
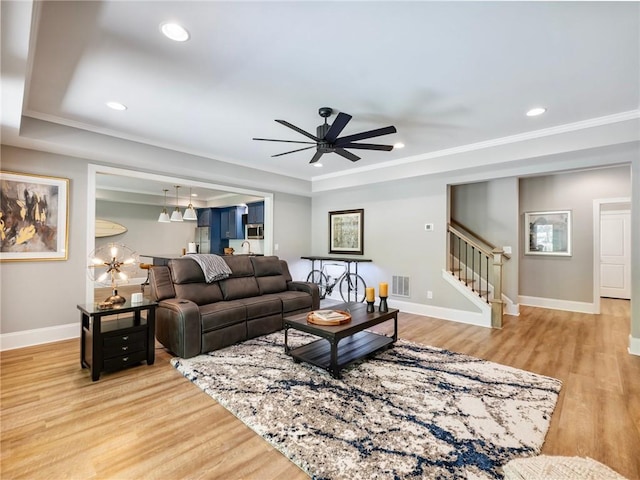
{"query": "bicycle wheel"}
{"type": "Point", "coordinates": [352, 288]}
{"type": "Point", "coordinates": [320, 279]}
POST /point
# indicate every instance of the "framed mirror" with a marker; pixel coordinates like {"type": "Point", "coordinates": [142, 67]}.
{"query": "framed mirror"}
{"type": "Point", "coordinates": [548, 233]}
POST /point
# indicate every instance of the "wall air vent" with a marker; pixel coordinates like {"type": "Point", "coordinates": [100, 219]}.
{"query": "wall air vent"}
{"type": "Point", "coordinates": [400, 286]}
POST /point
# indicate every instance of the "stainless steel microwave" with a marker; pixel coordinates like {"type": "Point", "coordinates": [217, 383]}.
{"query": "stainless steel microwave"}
{"type": "Point", "coordinates": [254, 231]}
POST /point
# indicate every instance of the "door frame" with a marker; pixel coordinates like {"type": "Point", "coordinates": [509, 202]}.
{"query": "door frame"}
{"type": "Point", "coordinates": [597, 209]}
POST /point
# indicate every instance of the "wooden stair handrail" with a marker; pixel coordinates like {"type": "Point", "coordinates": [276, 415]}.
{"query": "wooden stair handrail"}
{"type": "Point", "coordinates": [473, 242]}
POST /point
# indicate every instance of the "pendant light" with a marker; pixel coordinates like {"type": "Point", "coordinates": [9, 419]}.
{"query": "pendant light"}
{"type": "Point", "coordinates": [190, 213]}
{"type": "Point", "coordinates": [176, 216]}
{"type": "Point", "coordinates": [164, 216]}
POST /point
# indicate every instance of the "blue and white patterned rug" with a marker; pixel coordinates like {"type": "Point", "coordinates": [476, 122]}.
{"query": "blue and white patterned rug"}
{"type": "Point", "coordinates": [413, 411]}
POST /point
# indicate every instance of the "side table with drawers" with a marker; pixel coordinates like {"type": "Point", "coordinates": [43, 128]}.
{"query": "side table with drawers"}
{"type": "Point", "coordinates": [116, 337]}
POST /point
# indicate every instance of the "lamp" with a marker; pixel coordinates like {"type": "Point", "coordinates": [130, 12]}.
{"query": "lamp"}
{"type": "Point", "coordinates": [111, 263]}
{"type": "Point", "coordinates": [190, 213]}
{"type": "Point", "coordinates": [164, 216]}
{"type": "Point", "coordinates": [176, 216]}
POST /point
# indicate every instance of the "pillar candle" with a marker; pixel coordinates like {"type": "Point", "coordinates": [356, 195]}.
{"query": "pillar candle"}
{"type": "Point", "coordinates": [384, 290]}
{"type": "Point", "coordinates": [371, 294]}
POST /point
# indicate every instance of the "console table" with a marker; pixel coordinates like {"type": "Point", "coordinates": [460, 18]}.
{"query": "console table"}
{"type": "Point", "coordinates": [113, 344]}
{"type": "Point", "coordinates": [347, 260]}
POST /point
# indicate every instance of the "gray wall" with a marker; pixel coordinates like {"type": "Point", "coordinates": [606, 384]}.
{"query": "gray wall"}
{"type": "Point", "coordinates": [39, 294]}
{"type": "Point", "coordinates": [567, 278]}
{"type": "Point", "coordinates": [395, 239]}
{"type": "Point", "coordinates": [45, 294]}
{"type": "Point", "coordinates": [490, 209]}
{"type": "Point", "coordinates": [144, 234]}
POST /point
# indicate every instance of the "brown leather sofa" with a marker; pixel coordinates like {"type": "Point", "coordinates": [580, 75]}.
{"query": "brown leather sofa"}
{"type": "Point", "coordinates": [195, 317]}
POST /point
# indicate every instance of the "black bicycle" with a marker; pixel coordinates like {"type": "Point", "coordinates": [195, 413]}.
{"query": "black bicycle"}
{"type": "Point", "coordinates": [352, 286]}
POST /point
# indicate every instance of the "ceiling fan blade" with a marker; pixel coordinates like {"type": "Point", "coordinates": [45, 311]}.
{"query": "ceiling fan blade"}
{"type": "Point", "coordinates": [369, 146]}
{"type": "Point", "coordinates": [336, 127]}
{"type": "Point", "coordinates": [348, 155]}
{"type": "Point", "coordinates": [287, 141]}
{"type": "Point", "coordinates": [293, 151]}
{"type": "Point", "coordinates": [316, 157]}
{"type": "Point", "coordinates": [299, 130]}
{"type": "Point", "coordinates": [361, 136]}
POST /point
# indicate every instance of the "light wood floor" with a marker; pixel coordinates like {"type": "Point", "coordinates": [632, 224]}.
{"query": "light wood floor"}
{"type": "Point", "coordinates": [150, 422]}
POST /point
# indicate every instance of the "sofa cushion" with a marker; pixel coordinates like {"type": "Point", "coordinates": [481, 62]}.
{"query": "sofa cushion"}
{"type": "Point", "coordinates": [161, 283]}
{"type": "Point", "coordinates": [185, 270]}
{"type": "Point", "coordinates": [266, 266]}
{"type": "Point", "coordinates": [273, 284]}
{"type": "Point", "coordinates": [263, 306]}
{"type": "Point", "coordinates": [242, 287]}
{"type": "Point", "coordinates": [294, 301]}
{"type": "Point", "coordinates": [222, 314]}
{"type": "Point", "coordinates": [199, 293]}
{"type": "Point", "coordinates": [240, 265]}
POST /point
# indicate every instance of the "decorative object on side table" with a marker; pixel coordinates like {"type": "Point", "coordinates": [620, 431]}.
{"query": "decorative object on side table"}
{"type": "Point", "coordinates": [111, 263]}
{"type": "Point", "coordinates": [384, 293]}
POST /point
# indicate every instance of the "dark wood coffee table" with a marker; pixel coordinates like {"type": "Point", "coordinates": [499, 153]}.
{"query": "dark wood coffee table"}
{"type": "Point", "coordinates": [341, 345]}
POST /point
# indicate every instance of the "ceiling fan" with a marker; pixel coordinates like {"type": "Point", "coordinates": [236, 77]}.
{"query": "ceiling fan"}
{"type": "Point", "coordinates": [327, 140]}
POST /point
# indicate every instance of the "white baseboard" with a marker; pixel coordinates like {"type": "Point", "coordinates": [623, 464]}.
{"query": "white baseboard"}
{"type": "Point", "coordinates": [510, 308]}
{"type": "Point", "coordinates": [634, 345]}
{"type": "Point", "coordinates": [38, 336]}
{"type": "Point", "coordinates": [555, 304]}
{"type": "Point", "coordinates": [481, 319]}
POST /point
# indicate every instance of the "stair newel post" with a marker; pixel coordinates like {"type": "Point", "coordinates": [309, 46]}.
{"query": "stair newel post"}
{"type": "Point", "coordinates": [496, 301]}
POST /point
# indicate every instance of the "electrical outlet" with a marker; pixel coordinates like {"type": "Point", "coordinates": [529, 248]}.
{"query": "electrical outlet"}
{"type": "Point", "coordinates": [429, 294]}
{"type": "Point", "coordinates": [428, 227]}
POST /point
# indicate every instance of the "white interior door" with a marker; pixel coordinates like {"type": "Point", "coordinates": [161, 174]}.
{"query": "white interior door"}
{"type": "Point", "coordinates": [615, 254]}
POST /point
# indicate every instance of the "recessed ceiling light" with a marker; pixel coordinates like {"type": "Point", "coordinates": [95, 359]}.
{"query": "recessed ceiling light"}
{"type": "Point", "coordinates": [194, 194]}
{"type": "Point", "coordinates": [534, 112]}
{"type": "Point", "coordinates": [116, 106]}
{"type": "Point", "coordinates": [174, 32]}
{"type": "Point", "coordinates": [317, 164]}
{"type": "Point", "coordinates": [398, 145]}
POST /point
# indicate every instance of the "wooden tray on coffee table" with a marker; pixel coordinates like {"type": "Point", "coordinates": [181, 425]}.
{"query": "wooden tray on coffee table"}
{"type": "Point", "coordinates": [311, 318]}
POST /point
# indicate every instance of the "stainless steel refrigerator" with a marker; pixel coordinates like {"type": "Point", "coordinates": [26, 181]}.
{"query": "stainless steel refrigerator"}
{"type": "Point", "coordinates": [203, 239]}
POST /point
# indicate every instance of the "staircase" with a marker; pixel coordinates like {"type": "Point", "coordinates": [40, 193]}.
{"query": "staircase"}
{"type": "Point", "coordinates": [477, 265]}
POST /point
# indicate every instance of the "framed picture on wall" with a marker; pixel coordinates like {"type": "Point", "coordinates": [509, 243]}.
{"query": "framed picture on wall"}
{"type": "Point", "coordinates": [34, 217]}
{"type": "Point", "coordinates": [548, 233]}
{"type": "Point", "coordinates": [346, 231]}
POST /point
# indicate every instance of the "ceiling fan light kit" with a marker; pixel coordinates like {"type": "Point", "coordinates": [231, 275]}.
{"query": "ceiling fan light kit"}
{"type": "Point", "coordinates": [327, 138]}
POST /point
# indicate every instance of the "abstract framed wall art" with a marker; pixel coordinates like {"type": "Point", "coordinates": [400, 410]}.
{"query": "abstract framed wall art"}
{"type": "Point", "coordinates": [548, 233]}
{"type": "Point", "coordinates": [34, 217]}
{"type": "Point", "coordinates": [346, 231]}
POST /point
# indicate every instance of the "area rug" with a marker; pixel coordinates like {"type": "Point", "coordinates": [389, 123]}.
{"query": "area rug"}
{"type": "Point", "coordinates": [412, 411]}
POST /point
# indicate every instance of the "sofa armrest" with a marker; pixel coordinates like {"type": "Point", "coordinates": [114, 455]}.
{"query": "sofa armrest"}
{"type": "Point", "coordinates": [307, 287]}
{"type": "Point", "coordinates": [178, 326]}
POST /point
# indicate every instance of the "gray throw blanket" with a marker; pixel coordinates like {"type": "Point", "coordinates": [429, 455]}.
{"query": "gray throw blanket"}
{"type": "Point", "coordinates": [213, 266]}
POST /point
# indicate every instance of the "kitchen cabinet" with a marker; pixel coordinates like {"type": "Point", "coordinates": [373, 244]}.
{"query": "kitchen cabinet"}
{"type": "Point", "coordinates": [204, 217]}
{"type": "Point", "coordinates": [231, 223]}
{"type": "Point", "coordinates": [255, 212]}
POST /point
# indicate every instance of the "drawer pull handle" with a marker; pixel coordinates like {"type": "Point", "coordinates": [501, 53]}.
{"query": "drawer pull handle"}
{"type": "Point", "coordinates": [124, 359]}
{"type": "Point", "coordinates": [124, 349]}
{"type": "Point", "coordinates": [126, 337]}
